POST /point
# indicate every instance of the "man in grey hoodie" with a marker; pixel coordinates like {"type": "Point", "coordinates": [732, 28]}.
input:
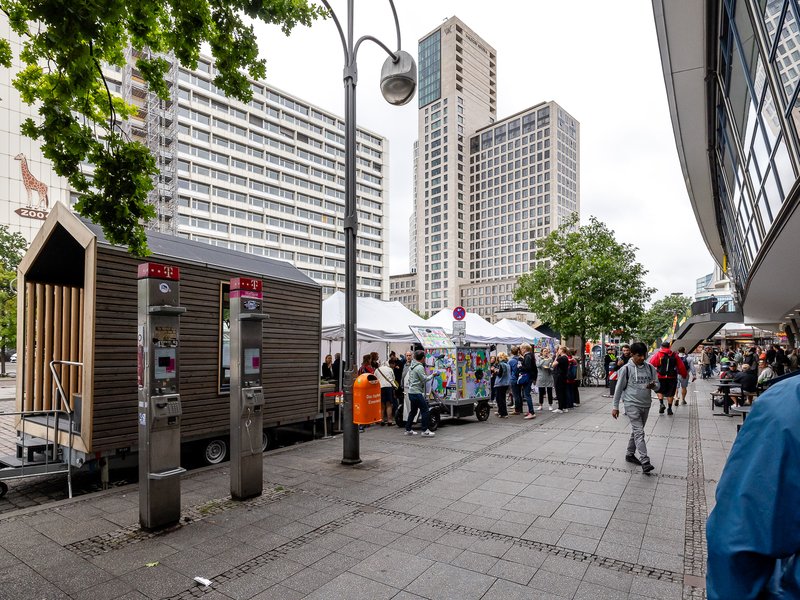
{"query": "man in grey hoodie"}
{"type": "Point", "coordinates": [634, 383]}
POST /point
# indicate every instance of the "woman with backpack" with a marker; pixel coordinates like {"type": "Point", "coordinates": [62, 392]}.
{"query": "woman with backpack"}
{"type": "Point", "coordinates": [502, 380]}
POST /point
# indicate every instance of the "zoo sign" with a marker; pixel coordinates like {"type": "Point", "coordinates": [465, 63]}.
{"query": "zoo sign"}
{"type": "Point", "coordinates": [32, 213]}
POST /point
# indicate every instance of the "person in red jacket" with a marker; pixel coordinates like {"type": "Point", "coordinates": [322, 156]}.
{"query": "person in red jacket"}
{"type": "Point", "coordinates": [669, 366]}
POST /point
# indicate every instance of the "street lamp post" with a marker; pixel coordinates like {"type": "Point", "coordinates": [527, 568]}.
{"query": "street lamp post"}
{"type": "Point", "coordinates": [398, 83]}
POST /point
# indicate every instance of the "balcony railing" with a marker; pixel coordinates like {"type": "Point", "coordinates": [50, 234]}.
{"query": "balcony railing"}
{"type": "Point", "coordinates": [712, 305]}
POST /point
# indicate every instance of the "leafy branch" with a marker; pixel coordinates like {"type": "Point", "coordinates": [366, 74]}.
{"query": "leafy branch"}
{"type": "Point", "coordinates": [78, 114]}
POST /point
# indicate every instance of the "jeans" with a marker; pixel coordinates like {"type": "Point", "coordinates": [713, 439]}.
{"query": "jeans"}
{"type": "Point", "coordinates": [526, 393]}
{"type": "Point", "coordinates": [516, 393]}
{"type": "Point", "coordinates": [418, 402]}
{"type": "Point", "coordinates": [638, 418]}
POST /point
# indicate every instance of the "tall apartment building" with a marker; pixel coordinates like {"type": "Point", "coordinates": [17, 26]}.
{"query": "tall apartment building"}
{"type": "Point", "coordinates": [524, 182]}
{"type": "Point", "coordinates": [487, 189]}
{"type": "Point", "coordinates": [266, 177]}
{"type": "Point", "coordinates": [457, 93]}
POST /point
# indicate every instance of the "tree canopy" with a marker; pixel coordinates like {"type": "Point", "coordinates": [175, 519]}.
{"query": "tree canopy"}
{"type": "Point", "coordinates": [12, 248]}
{"type": "Point", "coordinates": [657, 320]}
{"type": "Point", "coordinates": [586, 282]}
{"type": "Point", "coordinates": [66, 44]}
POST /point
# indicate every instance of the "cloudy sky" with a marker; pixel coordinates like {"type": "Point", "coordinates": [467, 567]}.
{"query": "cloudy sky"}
{"type": "Point", "coordinates": [599, 60]}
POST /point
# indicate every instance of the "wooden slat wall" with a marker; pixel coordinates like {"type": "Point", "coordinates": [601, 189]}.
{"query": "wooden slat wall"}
{"type": "Point", "coordinates": [52, 324]}
{"type": "Point", "coordinates": [291, 352]}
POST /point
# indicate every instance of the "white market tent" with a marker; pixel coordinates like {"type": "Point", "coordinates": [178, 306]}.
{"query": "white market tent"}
{"type": "Point", "coordinates": [479, 330]}
{"type": "Point", "coordinates": [528, 333]}
{"type": "Point", "coordinates": [376, 320]}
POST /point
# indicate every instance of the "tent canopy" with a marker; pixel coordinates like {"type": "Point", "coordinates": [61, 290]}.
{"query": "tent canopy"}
{"type": "Point", "coordinates": [520, 328]}
{"type": "Point", "coordinates": [479, 330]}
{"type": "Point", "coordinates": [376, 321]}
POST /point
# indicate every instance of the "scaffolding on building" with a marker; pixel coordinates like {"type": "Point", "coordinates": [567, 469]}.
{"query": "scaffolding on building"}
{"type": "Point", "coordinates": [155, 124]}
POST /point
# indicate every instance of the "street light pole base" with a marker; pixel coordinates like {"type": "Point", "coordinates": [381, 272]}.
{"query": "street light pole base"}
{"type": "Point", "coordinates": [350, 461]}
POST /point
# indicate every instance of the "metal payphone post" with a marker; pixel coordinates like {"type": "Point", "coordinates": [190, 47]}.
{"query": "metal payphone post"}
{"type": "Point", "coordinates": [247, 393]}
{"type": "Point", "coordinates": [159, 396]}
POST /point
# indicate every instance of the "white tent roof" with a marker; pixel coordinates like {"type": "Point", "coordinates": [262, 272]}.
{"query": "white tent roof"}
{"type": "Point", "coordinates": [479, 330]}
{"type": "Point", "coordinates": [376, 321]}
{"type": "Point", "coordinates": [520, 328]}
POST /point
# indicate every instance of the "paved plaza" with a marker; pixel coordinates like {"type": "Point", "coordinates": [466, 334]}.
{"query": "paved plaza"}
{"type": "Point", "coordinates": [503, 509]}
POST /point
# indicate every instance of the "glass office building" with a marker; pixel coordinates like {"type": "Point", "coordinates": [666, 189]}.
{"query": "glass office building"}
{"type": "Point", "coordinates": [731, 69]}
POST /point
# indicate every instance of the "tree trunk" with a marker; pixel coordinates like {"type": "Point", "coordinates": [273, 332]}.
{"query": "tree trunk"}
{"type": "Point", "coordinates": [3, 361]}
{"type": "Point", "coordinates": [583, 355]}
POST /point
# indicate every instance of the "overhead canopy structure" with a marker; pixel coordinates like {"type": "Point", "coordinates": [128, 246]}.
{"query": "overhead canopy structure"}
{"type": "Point", "coordinates": [376, 320]}
{"type": "Point", "coordinates": [479, 330]}
{"type": "Point", "coordinates": [521, 328]}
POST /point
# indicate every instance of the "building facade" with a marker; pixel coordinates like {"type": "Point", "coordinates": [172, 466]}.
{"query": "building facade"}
{"type": "Point", "coordinates": [488, 190]}
{"type": "Point", "coordinates": [457, 93]}
{"type": "Point", "coordinates": [731, 70]}
{"type": "Point", "coordinates": [403, 289]}
{"type": "Point", "coordinates": [264, 177]}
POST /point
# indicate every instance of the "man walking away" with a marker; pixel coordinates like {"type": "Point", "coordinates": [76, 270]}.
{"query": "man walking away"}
{"type": "Point", "coordinates": [416, 394]}
{"type": "Point", "coordinates": [683, 382]}
{"type": "Point", "coordinates": [634, 383]}
{"type": "Point", "coordinates": [669, 366]}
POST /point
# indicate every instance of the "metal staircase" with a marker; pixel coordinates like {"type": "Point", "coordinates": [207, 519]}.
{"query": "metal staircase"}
{"type": "Point", "coordinates": [37, 456]}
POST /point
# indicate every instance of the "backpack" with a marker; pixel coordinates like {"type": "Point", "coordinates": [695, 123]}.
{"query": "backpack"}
{"type": "Point", "coordinates": [572, 370]}
{"type": "Point", "coordinates": [668, 367]}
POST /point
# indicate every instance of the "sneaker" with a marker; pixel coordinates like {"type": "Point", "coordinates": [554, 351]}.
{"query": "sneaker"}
{"type": "Point", "coordinates": [550, 408]}
{"type": "Point", "coordinates": [497, 414]}
{"type": "Point", "coordinates": [566, 410]}
{"type": "Point", "coordinates": [503, 416]}
{"type": "Point", "coordinates": [631, 458]}
{"type": "Point", "coordinates": [412, 432]}
{"type": "Point", "coordinates": [662, 409]}
{"type": "Point", "coordinates": [428, 433]}
{"type": "Point", "coordinates": [683, 402]}
{"type": "Point", "coordinates": [517, 412]}
{"type": "Point", "coordinates": [558, 410]}
{"type": "Point", "coordinates": [529, 416]}
{"type": "Point", "coordinates": [647, 467]}
{"type": "Point", "coordinates": [669, 411]}
{"type": "Point", "coordinates": [360, 429]}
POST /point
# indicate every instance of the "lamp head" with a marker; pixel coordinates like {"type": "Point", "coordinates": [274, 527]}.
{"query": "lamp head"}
{"type": "Point", "coordinates": [399, 78]}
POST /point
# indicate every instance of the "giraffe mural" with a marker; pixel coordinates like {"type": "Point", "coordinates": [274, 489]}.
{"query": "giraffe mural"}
{"type": "Point", "coordinates": [31, 183]}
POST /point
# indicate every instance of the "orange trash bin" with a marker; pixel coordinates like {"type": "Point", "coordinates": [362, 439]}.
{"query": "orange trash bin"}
{"type": "Point", "coordinates": [366, 400]}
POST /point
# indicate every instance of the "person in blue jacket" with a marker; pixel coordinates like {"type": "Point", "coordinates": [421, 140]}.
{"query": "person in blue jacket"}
{"type": "Point", "coordinates": [753, 532]}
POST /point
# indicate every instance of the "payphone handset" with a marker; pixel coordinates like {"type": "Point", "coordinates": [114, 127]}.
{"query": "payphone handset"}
{"type": "Point", "coordinates": [165, 411]}
{"type": "Point", "coordinates": [252, 401]}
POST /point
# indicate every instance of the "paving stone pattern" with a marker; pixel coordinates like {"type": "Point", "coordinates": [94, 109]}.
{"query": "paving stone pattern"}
{"type": "Point", "coordinates": [502, 509]}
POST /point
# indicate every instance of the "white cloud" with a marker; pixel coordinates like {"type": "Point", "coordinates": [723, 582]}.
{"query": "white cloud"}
{"type": "Point", "coordinates": [599, 60]}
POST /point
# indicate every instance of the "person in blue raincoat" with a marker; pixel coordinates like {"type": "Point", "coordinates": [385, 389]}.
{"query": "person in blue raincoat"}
{"type": "Point", "coordinates": [754, 530]}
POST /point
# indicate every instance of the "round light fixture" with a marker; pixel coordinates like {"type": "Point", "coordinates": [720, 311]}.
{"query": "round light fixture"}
{"type": "Point", "coordinates": [399, 78]}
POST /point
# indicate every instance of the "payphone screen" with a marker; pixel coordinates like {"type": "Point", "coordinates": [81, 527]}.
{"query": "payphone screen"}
{"type": "Point", "coordinates": [252, 361]}
{"type": "Point", "coordinates": [165, 363]}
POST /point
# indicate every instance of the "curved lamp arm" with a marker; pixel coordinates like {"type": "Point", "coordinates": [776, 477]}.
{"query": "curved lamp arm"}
{"type": "Point", "coordinates": [352, 58]}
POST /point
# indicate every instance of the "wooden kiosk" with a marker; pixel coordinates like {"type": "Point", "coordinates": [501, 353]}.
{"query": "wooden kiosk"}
{"type": "Point", "coordinates": [78, 303]}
